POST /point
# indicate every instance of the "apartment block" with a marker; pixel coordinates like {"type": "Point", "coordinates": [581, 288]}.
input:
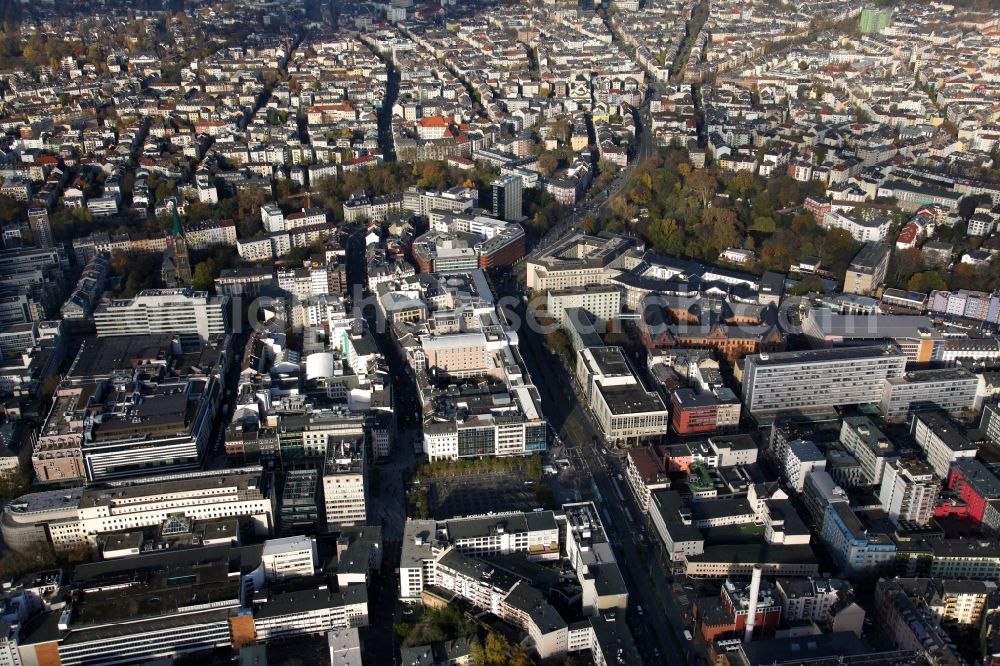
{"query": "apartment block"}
{"type": "Point", "coordinates": [909, 492]}
{"type": "Point", "coordinates": [942, 441]}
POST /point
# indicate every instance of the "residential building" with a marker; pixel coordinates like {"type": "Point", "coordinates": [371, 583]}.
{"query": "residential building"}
{"type": "Point", "coordinates": [867, 270]}
{"type": "Point", "coordinates": [909, 492]}
{"type": "Point", "coordinates": [942, 441]}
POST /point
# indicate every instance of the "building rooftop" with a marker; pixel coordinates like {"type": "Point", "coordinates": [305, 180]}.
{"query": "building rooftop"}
{"type": "Point", "coordinates": [837, 354]}
{"type": "Point", "coordinates": [630, 399]}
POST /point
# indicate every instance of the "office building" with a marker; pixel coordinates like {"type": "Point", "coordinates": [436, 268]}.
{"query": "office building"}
{"type": "Point", "coordinates": [577, 260]}
{"type": "Point", "coordinates": [867, 270]}
{"type": "Point", "coordinates": [38, 221]}
{"type": "Point", "coordinates": [818, 380]}
{"type": "Point", "coordinates": [299, 511]}
{"type": "Point", "coordinates": [289, 558]}
{"type": "Point", "coordinates": [915, 335]}
{"type": "Point", "coordinates": [417, 559]}
{"type": "Point", "coordinates": [909, 492]}
{"type": "Point", "coordinates": [345, 483]}
{"type": "Point", "coordinates": [645, 472]}
{"type": "Point", "coordinates": [77, 516]}
{"type": "Point", "coordinates": [194, 315]}
{"type": "Point", "coordinates": [507, 198]}
{"type": "Point", "coordinates": [803, 458]}
{"type": "Point", "coordinates": [623, 408]}
{"type": "Point", "coordinates": [605, 303]}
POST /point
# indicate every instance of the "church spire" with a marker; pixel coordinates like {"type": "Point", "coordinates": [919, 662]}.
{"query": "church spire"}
{"type": "Point", "coordinates": [178, 230]}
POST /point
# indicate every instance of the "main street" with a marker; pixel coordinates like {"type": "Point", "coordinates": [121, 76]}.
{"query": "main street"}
{"type": "Point", "coordinates": [659, 628]}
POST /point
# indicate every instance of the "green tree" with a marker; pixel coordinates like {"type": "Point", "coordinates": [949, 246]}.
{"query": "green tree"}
{"type": "Point", "coordinates": [203, 277]}
{"type": "Point", "coordinates": [810, 284]}
{"type": "Point", "coordinates": [928, 281]}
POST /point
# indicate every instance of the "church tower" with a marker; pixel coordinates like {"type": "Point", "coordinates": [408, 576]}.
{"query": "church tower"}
{"type": "Point", "coordinates": [176, 270]}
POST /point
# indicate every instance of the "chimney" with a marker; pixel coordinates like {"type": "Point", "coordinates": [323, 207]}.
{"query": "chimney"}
{"type": "Point", "coordinates": [752, 611]}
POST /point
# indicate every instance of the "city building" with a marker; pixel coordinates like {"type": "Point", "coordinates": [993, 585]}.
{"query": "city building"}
{"type": "Point", "coordinates": [194, 315]}
{"type": "Point", "coordinates": [623, 408]}
{"type": "Point", "coordinates": [345, 483]}
{"type": "Point", "coordinates": [506, 192]}
{"type": "Point", "coordinates": [909, 492]}
{"type": "Point", "coordinates": [809, 381]}
{"type": "Point", "coordinates": [77, 516]}
{"type": "Point", "coordinates": [645, 472]}
{"type": "Point", "coordinates": [867, 270]}
{"type": "Point", "coordinates": [979, 489]}
{"type": "Point", "coordinates": [869, 446]}
{"type": "Point", "coordinates": [859, 553]}
{"type": "Point", "coordinates": [953, 390]}
{"type": "Point", "coordinates": [942, 441]}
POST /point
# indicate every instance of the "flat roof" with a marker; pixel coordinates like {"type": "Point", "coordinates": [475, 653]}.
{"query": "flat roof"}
{"type": "Point", "coordinates": [630, 399]}
{"type": "Point", "coordinates": [826, 355]}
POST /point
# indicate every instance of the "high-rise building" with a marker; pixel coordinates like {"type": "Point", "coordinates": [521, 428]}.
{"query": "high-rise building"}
{"type": "Point", "coordinates": [507, 197]}
{"type": "Point", "coordinates": [38, 220]}
{"type": "Point", "coordinates": [344, 483]}
{"type": "Point", "coordinates": [187, 313]}
{"type": "Point", "coordinates": [909, 492]}
{"type": "Point", "coordinates": [820, 379]}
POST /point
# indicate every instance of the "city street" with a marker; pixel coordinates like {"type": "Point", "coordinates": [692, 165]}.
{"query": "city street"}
{"type": "Point", "coordinates": [573, 423]}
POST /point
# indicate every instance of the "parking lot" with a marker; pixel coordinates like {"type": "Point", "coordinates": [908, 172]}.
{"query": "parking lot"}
{"type": "Point", "coordinates": [479, 493]}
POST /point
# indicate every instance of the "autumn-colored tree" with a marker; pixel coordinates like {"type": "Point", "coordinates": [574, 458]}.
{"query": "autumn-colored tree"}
{"type": "Point", "coordinates": [904, 264]}
{"type": "Point", "coordinates": [588, 224]}
{"type": "Point", "coordinates": [622, 208]}
{"type": "Point", "coordinates": [495, 652]}
{"type": "Point", "coordinates": [703, 184]}
{"type": "Point", "coordinates": [433, 176]}
{"type": "Point", "coordinates": [561, 129]}
{"type": "Point", "coordinates": [720, 229]}
{"type": "Point", "coordinates": [641, 194]}
{"type": "Point", "coordinates": [743, 182]}
{"type": "Point", "coordinates": [548, 163]}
